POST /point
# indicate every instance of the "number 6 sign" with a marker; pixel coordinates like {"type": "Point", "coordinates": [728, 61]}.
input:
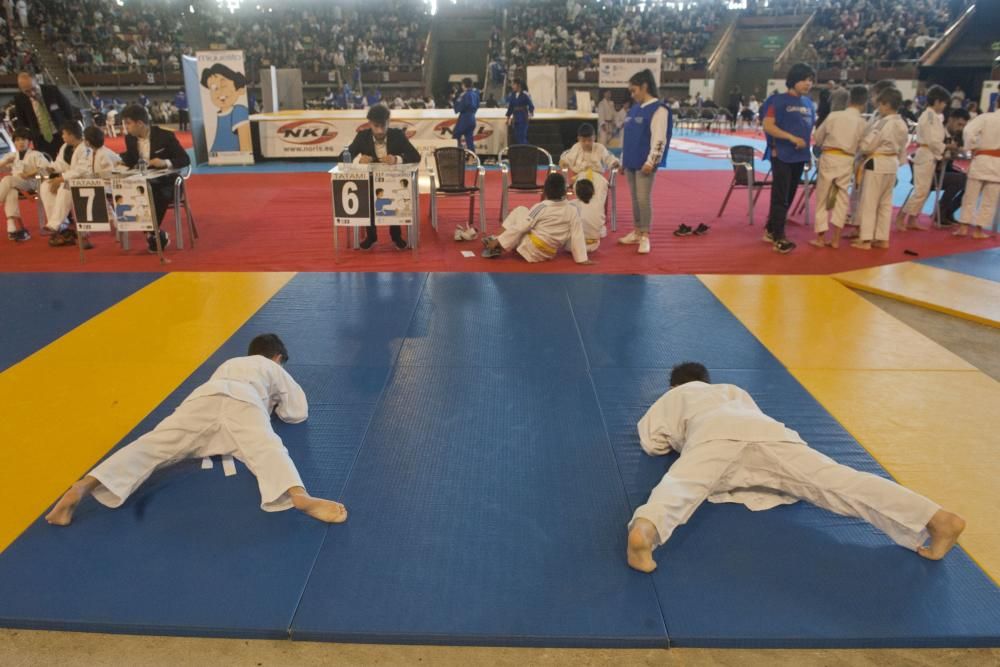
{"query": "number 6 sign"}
{"type": "Point", "coordinates": [351, 199]}
{"type": "Point", "coordinates": [90, 204]}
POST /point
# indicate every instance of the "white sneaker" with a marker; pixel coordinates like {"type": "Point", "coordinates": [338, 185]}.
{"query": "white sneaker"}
{"type": "Point", "coordinates": [631, 238]}
{"type": "Point", "coordinates": [644, 245]}
{"type": "Point", "coordinates": [466, 234]}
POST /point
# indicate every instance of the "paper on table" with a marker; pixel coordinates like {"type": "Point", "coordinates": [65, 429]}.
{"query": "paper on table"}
{"type": "Point", "coordinates": [468, 253]}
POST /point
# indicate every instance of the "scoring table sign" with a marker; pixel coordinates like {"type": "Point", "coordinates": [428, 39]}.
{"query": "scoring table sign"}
{"type": "Point", "coordinates": [351, 198]}
{"type": "Point", "coordinates": [90, 204]}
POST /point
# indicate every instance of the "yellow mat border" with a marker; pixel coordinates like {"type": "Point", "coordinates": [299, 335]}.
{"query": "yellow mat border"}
{"type": "Point", "coordinates": [860, 414]}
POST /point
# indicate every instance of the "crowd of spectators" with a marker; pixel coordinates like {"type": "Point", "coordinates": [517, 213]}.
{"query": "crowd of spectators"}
{"type": "Point", "coordinates": [101, 36]}
{"type": "Point", "coordinates": [321, 37]}
{"type": "Point", "coordinates": [573, 33]}
{"type": "Point", "coordinates": [854, 32]}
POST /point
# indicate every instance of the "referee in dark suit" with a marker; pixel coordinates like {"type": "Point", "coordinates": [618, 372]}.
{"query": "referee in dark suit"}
{"type": "Point", "coordinates": [42, 110]}
{"type": "Point", "coordinates": [380, 143]}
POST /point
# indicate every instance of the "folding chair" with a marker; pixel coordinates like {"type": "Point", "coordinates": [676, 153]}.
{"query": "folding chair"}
{"type": "Point", "coordinates": [449, 180]}
{"type": "Point", "coordinates": [180, 201]}
{"type": "Point", "coordinates": [519, 171]}
{"type": "Point", "coordinates": [809, 176]}
{"type": "Point", "coordinates": [744, 176]}
{"type": "Point", "coordinates": [36, 196]}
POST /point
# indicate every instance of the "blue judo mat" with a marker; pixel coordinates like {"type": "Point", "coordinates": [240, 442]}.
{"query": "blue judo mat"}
{"type": "Point", "coordinates": [38, 308]}
{"type": "Point", "coordinates": [481, 430]}
{"type": "Point", "coordinates": [983, 264]}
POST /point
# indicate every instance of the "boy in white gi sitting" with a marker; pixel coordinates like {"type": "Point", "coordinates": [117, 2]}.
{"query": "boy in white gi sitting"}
{"type": "Point", "coordinates": [26, 167]}
{"type": "Point", "coordinates": [589, 159]}
{"type": "Point", "coordinates": [591, 215]}
{"type": "Point", "coordinates": [230, 415]}
{"type": "Point", "coordinates": [538, 234]}
{"type": "Point", "coordinates": [730, 451]}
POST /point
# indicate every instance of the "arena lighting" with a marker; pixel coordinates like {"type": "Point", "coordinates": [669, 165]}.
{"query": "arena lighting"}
{"type": "Point", "coordinates": [231, 5]}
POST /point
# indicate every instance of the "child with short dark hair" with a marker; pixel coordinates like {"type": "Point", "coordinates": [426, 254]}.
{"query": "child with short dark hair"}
{"type": "Point", "coordinates": [591, 215]}
{"type": "Point", "coordinates": [883, 149]}
{"type": "Point", "coordinates": [930, 140]}
{"type": "Point", "coordinates": [588, 160]}
{"type": "Point", "coordinates": [839, 137]}
{"type": "Point", "coordinates": [538, 234]}
{"type": "Point", "coordinates": [731, 452]}
{"type": "Point", "coordinates": [26, 166]}
{"type": "Point", "coordinates": [230, 415]}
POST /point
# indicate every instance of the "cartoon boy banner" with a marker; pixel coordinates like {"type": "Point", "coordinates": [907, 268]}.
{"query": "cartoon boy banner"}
{"type": "Point", "coordinates": [224, 103]}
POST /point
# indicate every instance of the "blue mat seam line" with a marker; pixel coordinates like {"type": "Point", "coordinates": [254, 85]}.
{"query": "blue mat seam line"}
{"type": "Point", "coordinates": [607, 440]}
{"type": "Point", "coordinates": [357, 454]}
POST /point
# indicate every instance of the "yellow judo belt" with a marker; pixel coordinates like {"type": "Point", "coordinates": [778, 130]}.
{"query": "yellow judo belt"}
{"type": "Point", "coordinates": [542, 245]}
{"type": "Point", "coordinates": [592, 241]}
{"type": "Point", "coordinates": [837, 151]}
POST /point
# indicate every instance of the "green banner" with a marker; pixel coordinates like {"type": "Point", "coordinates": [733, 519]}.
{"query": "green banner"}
{"type": "Point", "coordinates": [772, 43]}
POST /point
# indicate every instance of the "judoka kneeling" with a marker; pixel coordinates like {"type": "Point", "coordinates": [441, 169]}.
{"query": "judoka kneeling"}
{"type": "Point", "coordinates": [230, 415]}
{"type": "Point", "coordinates": [730, 451]}
{"type": "Point", "coordinates": [538, 234]}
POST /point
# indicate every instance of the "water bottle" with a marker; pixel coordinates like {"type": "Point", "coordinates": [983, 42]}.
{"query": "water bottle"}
{"type": "Point", "coordinates": [345, 157]}
{"type": "Point", "coordinates": [141, 166]}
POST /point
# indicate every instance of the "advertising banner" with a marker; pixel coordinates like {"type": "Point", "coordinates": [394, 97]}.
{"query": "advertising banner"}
{"type": "Point", "coordinates": [617, 68]}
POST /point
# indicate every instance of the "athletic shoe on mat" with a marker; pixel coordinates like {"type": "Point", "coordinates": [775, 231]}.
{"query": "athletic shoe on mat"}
{"type": "Point", "coordinates": [784, 246]}
{"type": "Point", "coordinates": [632, 238]}
{"type": "Point", "coordinates": [644, 245]}
{"type": "Point", "coordinates": [701, 230]}
{"type": "Point", "coordinates": [466, 234]}
{"type": "Point", "coordinates": [683, 230]}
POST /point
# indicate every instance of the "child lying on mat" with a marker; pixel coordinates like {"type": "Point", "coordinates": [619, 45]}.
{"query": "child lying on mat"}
{"type": "Point", "coordinates": [730, 451]}
{"type": "Point", "coordinates": [538, 234]}
{"type": "Point", "coordinates": [230, 415]}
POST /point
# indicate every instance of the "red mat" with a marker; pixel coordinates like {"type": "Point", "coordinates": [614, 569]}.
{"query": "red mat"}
{"type": "Point", "coordinates": [281, 222]}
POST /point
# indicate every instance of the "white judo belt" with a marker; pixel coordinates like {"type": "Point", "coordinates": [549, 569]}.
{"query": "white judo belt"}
{"type": "Point", "coordinates": [228, 465]}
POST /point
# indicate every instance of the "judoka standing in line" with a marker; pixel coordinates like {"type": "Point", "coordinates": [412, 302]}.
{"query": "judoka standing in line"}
{"type": "Point", "coordinates": [230, 415]}
{"type": "Point", "coordinates": [519, 109]}
{"type": "Point", "coordinates": [930, 151]}
{"type": "Point", "coordinates": [730, 451]}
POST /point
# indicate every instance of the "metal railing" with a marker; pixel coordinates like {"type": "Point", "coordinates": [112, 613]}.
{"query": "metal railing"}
{"type": "Point", "coordinates": [794, 43]}
{"type": "Point", "coordinates": [941, 46]}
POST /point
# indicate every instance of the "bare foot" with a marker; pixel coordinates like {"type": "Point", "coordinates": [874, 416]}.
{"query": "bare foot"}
{"type": "Point", "coordinates": [62, 513]}
{"type": "Point", "coordinates": [324, 510]}
{"type": "Point", "coordinates": [862, 245]}
{"type": "Point", "coordinates": [880, 244]}
{"type": "Point", "coordinates": [641, 539]}
{"type": "Point", "coordinates": [961, 231]}
{"type": "Point", "coordinates": [834, 244]}
{"type": "Point", "coordinates": [917, 228]}
{"type": "Point", "coordinates": [944, 527]}
{"type": "Point", "coordinates": [980, 234]}
{"type": "Point", "coordinates": [819, 243]}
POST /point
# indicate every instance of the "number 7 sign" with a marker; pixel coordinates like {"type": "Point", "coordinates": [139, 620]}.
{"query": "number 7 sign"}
{"type": "Point", "coordinates": [90, 204]}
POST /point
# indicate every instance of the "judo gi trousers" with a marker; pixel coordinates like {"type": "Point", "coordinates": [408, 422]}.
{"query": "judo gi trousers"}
{"type": "Point", "coordinates": [976, 211]}
{"type": "Point", "coordinates": [515, 235]}
{"type": "Point", "coordinates": [924, 174]}
{"type": "Point", "coordinates": [8, 193]}
{"type": "Point", "coordinates": [206, 426]}
{"type": "Point", "coordinates": [836, 172]}
{"type": "Point", "coordinates": [875, 205]}
{"type": "Point", "coordinates": [790, 468]}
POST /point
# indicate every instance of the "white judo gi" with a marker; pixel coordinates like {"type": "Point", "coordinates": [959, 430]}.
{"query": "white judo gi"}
{"type": "Point", "coordinates": [839, 136]}
{"type": "Point", "coordinates": [982, 137]}
{"type": "Point", "coordinates": [884, 145]}
{"type": "Point", "coordinates": [606, 115]}
{"type": "Point", "coordinates": [592, 220]}
{"type": "Point", "coordinates": [229, 415]}
{"type": "Point", "coordinates": [25, 170]}
{"type": "Point", "coordinates": [930, 139]}
{"type": "Point", "coordinates": [538, 234]}
{"type": "Point", "coordinates": [86, 162]}
{"type": "Point", "coordinates": [730, 451]}
{"type": "Point", "coordinates": [591, 165]}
